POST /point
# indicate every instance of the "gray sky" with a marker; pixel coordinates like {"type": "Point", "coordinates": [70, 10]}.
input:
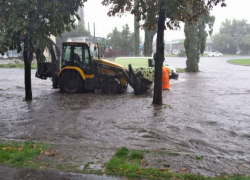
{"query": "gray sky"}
{"type": "Point", "coordinates": [95, 12]}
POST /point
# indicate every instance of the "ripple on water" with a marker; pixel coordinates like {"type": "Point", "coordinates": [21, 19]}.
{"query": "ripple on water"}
{"type": "Point", "coordinates": [211, 123]}
{"type": "Point", "coordinates": [173, 128]}
{"type": "Point", "coordinates": [194, 130]}
{"type": "Point", "coordinates": [246, 136]}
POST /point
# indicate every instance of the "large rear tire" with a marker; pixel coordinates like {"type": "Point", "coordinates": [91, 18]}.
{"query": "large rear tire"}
{"type": "Point", "coordinates": [111, 86]}
{"type": "Point", "coordinates": [71, 82]}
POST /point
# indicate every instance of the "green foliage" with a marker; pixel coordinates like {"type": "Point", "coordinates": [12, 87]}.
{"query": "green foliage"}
{"type": "Point", "coordinates": [176, 10]}
{"type": "Point", "coordinates": [233, 34]}
{"type": "Point", "coordinates": [203, 22]}
{"type": "Point", "coordinates": [32, 22]}
{"type": "Point", "coordinates": [122, 152]}
{"type": "Point", "coordinates": [136, 155]}
{"type": "Point", "coordinates": [121, 41]}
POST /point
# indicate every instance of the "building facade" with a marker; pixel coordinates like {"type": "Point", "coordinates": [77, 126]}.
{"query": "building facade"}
{"type": "Point", "coordinates": [178, 45]}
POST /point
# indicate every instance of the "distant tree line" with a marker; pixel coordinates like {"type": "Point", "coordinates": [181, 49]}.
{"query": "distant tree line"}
{"type": "Point", "coordinates": [121, 42]}
{"type": "Point", "coordinates": [233, 37]}
{"type": "Point", "coordinates": [76, 31]}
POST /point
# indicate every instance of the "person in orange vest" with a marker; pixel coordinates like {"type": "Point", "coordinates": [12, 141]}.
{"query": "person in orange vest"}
{"type": "Point", "coordinates": [165, 78]}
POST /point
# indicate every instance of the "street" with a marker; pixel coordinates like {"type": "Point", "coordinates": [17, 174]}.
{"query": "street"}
{"type": "Point", "coordinates": [205, 113]}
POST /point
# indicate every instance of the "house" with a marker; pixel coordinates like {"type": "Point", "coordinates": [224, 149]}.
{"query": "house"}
{"type": "Point", "coordinates": [174, 45]}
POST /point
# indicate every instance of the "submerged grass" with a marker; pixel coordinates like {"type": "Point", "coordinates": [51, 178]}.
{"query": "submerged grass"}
{"type": "Point", "coordinates": [245, 62]}
{"type": "Point", "coordinates": [20, 154]}
{"type": "Point", "coordinates": [131, 164]}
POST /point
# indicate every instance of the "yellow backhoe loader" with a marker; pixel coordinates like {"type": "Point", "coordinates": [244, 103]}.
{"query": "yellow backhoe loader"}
{"type": "Point", "coordinates": [81, 68]}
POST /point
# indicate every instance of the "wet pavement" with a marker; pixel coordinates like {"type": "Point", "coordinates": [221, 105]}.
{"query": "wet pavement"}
{"type": "Point", "coordinates": [28, 174]}
{"type": "Point", "coordinates": [204, 114]}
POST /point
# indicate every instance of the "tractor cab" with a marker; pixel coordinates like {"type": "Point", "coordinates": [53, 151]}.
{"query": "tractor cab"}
{"type": "Point", "coordinates": [80, 55]}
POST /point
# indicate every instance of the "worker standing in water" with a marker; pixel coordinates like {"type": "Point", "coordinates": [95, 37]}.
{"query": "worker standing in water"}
{"type": "Point", "coordinates": [165, 77]}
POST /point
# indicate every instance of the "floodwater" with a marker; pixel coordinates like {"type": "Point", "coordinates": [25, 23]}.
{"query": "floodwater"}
{"type": "Point", "coordinates": [205, 113]}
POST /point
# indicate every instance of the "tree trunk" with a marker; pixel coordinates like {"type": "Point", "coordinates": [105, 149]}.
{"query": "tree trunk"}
{"type": "Point", "coordinates": [192, 47]}
{"type": "Point", "coordinates": [27, 56]}
{"type": "Point", "coordinates": [148, 44]}
{"type": "Point", "coordinates": [159, 57]}
{"type": "Point", "coordinates": [137, 35]}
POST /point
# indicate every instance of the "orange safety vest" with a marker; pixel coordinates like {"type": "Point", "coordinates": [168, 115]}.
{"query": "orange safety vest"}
{"type": "Point", "coordinates": [165, 78]}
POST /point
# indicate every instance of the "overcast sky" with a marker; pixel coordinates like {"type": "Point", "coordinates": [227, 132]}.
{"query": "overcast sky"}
{"type": "Point", "coordinates": [95, 12]}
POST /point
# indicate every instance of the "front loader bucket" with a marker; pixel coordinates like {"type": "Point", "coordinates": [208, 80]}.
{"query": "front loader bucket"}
{"type": "Point", "coordinates": [139, 83]}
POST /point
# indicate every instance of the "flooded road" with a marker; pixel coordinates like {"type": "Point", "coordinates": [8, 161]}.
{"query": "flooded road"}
{"type": "Point", "coordinates": [204, 113]}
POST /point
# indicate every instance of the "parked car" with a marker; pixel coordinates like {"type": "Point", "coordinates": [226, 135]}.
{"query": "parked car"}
{"type": "Point", "coordinates": [214, 54]}
{"type": "Point", "coordinates": [175, 52]}
{"type": "Point", "coordinates": [207, 52]}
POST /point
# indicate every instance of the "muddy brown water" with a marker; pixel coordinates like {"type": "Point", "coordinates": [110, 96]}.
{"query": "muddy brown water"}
{"type": "Point", "coordinates": [205, 113]}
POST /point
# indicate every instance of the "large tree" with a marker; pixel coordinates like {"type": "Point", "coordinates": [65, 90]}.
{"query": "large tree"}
{"type": "Point", "coordinates": [170, 13]}
{"type": "Point", "coordinates": [233, 35]}
{"type": "Point", "coordinates": [136, 33]}
{"type": "Point", "coordinates": [149, 31]}
{"type": "Point", "coordinates": [115, 39]}
{"type": "Point", "coordinates": [122, 41]}
{"type": "Point", "coordinates": [195, 41]}
{"type": "Point", "coordinates": [30, 22]}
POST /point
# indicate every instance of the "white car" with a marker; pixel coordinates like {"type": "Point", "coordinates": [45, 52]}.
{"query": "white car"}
{"type": "Point", "coordinates": [214, 54]}
{"type": "Point", "coordinates": [175, 51]}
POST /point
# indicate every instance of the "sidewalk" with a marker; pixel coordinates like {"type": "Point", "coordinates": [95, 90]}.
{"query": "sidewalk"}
{"type": "Point", "coordinates": [8, 173]}
{"type": "Point", "coordinates": [7, 61]}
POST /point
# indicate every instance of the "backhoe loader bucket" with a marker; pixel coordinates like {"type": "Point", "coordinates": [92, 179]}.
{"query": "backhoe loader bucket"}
{"type": "Point", "coordinates": [43, 70]}
{"type": "Point", "coordinates": [139, 83]}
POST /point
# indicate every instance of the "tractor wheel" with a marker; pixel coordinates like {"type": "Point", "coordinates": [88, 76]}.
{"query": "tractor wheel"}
{"type": "Point", "coordinates": [71, 82]}
{"type": "Point", "coordinates": [111, 86]}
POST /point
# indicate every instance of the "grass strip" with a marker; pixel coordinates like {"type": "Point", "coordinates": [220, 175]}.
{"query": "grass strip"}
{"type": "Point", "coordinates": [20, 154]}
{"type": "Point", "coordinates": [180, 70]}
{"type": "Point", "coordinates": [131, 164]}
{"type": "Point", "coordinates": [245, 62]}
{"type": "Point", "coordinates": [19, 65]}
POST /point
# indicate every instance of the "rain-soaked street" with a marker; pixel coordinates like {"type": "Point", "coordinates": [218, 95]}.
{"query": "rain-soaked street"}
{"type": "Point", "coordinates": [204, 113]}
